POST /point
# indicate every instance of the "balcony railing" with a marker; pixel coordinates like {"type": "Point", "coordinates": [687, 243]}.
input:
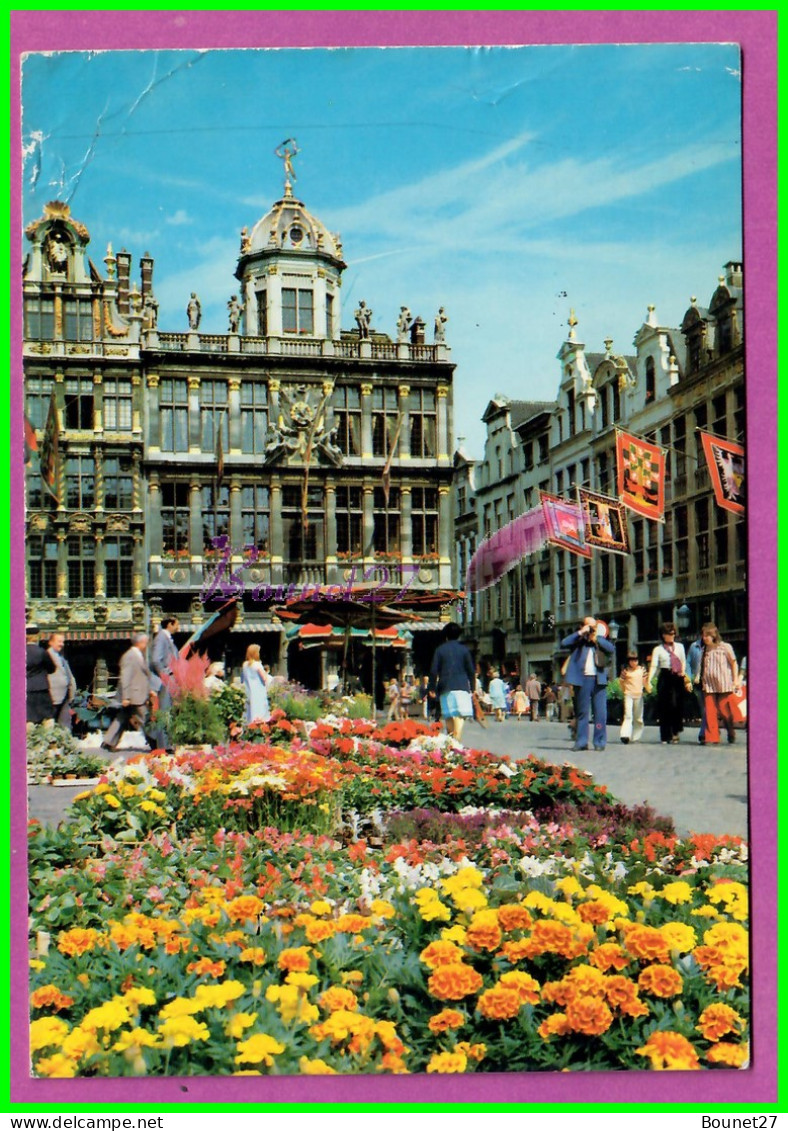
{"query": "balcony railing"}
{"type": "Point", "coordinates": [292, 346]}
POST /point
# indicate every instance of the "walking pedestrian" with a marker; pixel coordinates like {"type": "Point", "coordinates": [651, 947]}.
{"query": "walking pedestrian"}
{"type": "Point", "coordinates": [719, 677]}
{"type": "Point", "coordinates": [549, 698]}
{"type": "Point", "coordinates": [255, 681]}
{"type": "Point", "coordinates": [62, 685]}
{"type": "Point", "coordinates": [163, 654]}
{"type": "Point", "coordinates": [587, 673]}
{"type": "Point", "coordinates": [533, 689]}
{"type": "Point", "coordinates": [134, 693]}
{"type": "Point", "coordinates": [520, 703]}
{"type": "Point", "coordinates": [40, 666]}
{"type": "Point", "coordinates": [452, 678]}
{"type": "Point", "coordinates": [632, 680]}
{"type": "Point", "coordinates": [669, 661]}
{"type": "Point", "coordinates": [393, 696]}
{"type": "Point", "coordinates": [694, 657]}
{"type": "Point", "coordinates": [497, 692]}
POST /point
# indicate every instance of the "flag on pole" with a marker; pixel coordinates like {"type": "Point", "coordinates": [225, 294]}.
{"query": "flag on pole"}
{"type": "Point", "coordinates": [564, 522]}
{"type": "Point", "coordinates": [31, 442]}
{"type": "Point", "coordinates": [641, 475]}
{"type": "Point", "coordinates": [49, 448]}
{"type": "Point", "coordinates": [386, 476]}
{"type": "Point", "coordinates": [605, 521]}
{"type": "Point", "coordinates": [726, 468]}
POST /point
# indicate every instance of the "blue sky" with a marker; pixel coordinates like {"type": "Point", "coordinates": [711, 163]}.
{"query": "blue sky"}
{"type": "Point", "coordinates": [505, 184]}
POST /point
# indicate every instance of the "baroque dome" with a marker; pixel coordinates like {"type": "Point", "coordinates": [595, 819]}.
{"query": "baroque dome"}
{"type": "Point", "coordinates": [289, 226]}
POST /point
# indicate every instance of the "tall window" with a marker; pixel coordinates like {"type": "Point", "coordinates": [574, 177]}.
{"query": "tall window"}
{"type": "Point", "coordinates": [702, 532]}
{"type": "Point", "coordinates": [254, 417]}
{"type": "Point", "coordinates": [559, 482]}
{"type": "Point", "coordinates": [739, 414]}
{"type": "Point", "coordinates": [256, 516]}
{"type": "Point", "coordinates": [651, 379]}
{"type": "Point", "coordinates": [585, 473]}
{"type": "Point", "coordinates": [174, 414]}
{"type": "Point", "coordinates": [616, 415]}
{"type": "Point", "coordinates": [215, 514]}
{"type": "Point", "coordinates": [604, 413]}
{"type": "Point", "coordinates": [78, 413]}
{"type": "Point", "coordinates": [544, 448]}
{"type": "Point", "coordinates": [119, 566]}
{"type": "Point", "coordinates": [637, 549]}
{"type": "Point", "coordinates": [573, 584]}
{"type": "Point", "coordinates": [297, 311]}
{"type": "Point", "coordinates": [117, 404]}
{"type": "Point", "coordinates": [118, 484]}
{"type": "Point", "coordinates": [719, 412]}
{"type": "Point", "coordinates": [424, 520]}
{"type": "Point", "coordinates": [347, 418]}
{"type": "Point", "coordinates": [175, 518]}
{"type": "Point", "coordinates": [303, 540]}
{"type": "Point", "coordinates": [560, 577]}
{"type": "Point", "coordinates": [40, 317]}
{"type": "Point", "coordinates": [386, 537]}
{"type": "Point", "coordinates": [587, 594]}
{"type": "Point", "coordinates": [680, 445]}
{"type": "Point", "coordinates": [213, 415]}
{"type": "Point", "coordinates": [262, 314]}
{"type": "Point", "coordinates": [421, 403]}
{"type": "Point", "coordinates": [385, 410]}
{"type": "Point", "coordinates": [528, 455]}
{"type": "Point", "coordinates": [38, 393]}
{"type": "Point", "coordinates": [721, 537]}
{"type": "Point", "coordinates": [329, 315]}
{"type": "Point", "coordinates": [665, 441]}
{"type": "Point", "coordinates": [682, 540]}
{"type": "Point", "coordinates": [570, 404]}
{"type": "Point", "coordinates": [81, 567]}
{"type": "Point", "coordinates": [652, 552]}
{"type": "Point", "coordinates": [667, 545]}
{"type": "Point", "coordinates": [34, 490]}
{"type": "Point", "coordinates": [78, 319]}
{"type": "Point", "coordinates": [80, 483]}
{"type": "Point", "coordinates": [350, 520]}
{"type": "Point", "coordinates": [604, 563]}
{"type": "Point", "coordinates": [42, 566]}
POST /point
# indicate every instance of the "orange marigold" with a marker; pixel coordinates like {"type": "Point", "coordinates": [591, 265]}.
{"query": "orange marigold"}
{"type": "Point", "coordinates": [660, 980]}
{"type": "Point", "coordinates": [337, 997]}
{"type": "Point", "coordinates": [588, 1015]}
{"type": "Point", "coordinates": [647, 943]}
{"type": "Point", "coordinates": [609, 956]}
{"type": "Point", "coordinates": [734, 1056]}
{"type": "Point", "coordinates": [527, 987]}
{"type": "Point", "coordinates": [352, 924]}
{"type": "Point", "coordinates": [515, 951]}
{"type": "Point", "coordinates": [668, 1050]}
{"type": "Point", "coordinates": [319, 930]}
{"type": "Point", "coordinates": [294, 958]}
{"type": "Point", "coordinates": [445, 1020]}
{"type": "Point", "coordinates": [559, 992]}
{"type": "Point", "coordinates": [620, 990]}
{"type": "Point", "coordinates": [594, 912]}
{"type": "Point", "coordinates": [454, 981]}
{"type": "Point", "coordinates": [473, 1052]}
{"type": "Point", "coordinates": [483, 935]}
{"type": "Point", "coordinates": [440, 953]}
{"type": "Point", "coordinates": [554, 1026]}
{"type": "Point", "coordinates": [513, 917]}
{"type": "Point", "coordinates": [244, 907]}
{"type": "Point", "coordinates": [50, 996]}
{"type": "Point", "coordinates": [499, 1003]}
{"type": "Point", "coordinates": [587, 980]}
{"type": "Point", "coordinates": [207, 966]}
{"type": "Point", "coordinates": [719, 1019]}
{"type": "Point", "coordinates": [77, 941]}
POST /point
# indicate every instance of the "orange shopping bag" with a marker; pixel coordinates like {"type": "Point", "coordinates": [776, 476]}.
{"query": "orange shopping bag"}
{"type": "Point", "coordinates": [738, 704]}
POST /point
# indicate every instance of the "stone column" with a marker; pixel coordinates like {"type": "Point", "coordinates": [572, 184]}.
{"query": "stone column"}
{"type": "Point", "coordinates": [276, 532]}
{"type": "Point", "coordinates": [100, 572]}
{"type": "Point", "coordinates": [136, 404]}
{"type": "Point", "coordinates": [234, 414]}
{"type": "Point", "coordinates": [405, 523]}
{"type": "Point", "coordinates": [366, 421]}
{"type": "Point", "coordinates": [274, 385]}
{"type": "Point", "coordinates": [445, 534]}
{"type": "Point", "coordinates": [404, 432]}
{"type": "Point", "coordinates": [236, 520]}
{"type": "Point", "coordinates": [138, 566]}
{"type": "Point", "coordinates": [153, 522]}
{"type": "Point", "coordinates": [331, 527]}
{"type": "Point", "coordinates": [152, 397]}
{"type": "Point", "coordinates": [136, 481]}
{"type": "Point", "coordinates": [62, 564]}
{"type": "Point", "coordinates": [195, 519]}
{"type": "Point", "coordinates": [98, 478]}
{"type": "Point", "coordinates": [194, 415]}
{"type": "Point", "coordinates": [369, 520]}
{"type": "Point", "coordinates": [442, 413]}
{"type": "Point", "coordinates": [328, 412]}
{"type": "Point", "coordinates": [98, 402]}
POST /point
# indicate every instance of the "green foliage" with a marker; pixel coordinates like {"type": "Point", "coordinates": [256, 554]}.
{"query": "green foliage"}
{"type": "Point", "coordinates": [230, 704]}
{"type": "Point", "coordinates": [193, 721]}
{"type": "Point", "coordinates": [52, 752]}
{"type": "Point", "coordinates": [360, 707]}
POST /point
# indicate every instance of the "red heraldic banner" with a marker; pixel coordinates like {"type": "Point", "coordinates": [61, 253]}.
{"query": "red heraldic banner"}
{"type": "Point", "coordinates": [726, 468]}
{"type": "Point", "coordinates": [49, 448]}
{"type": "Point", "coordinates": [641, 475]}
{"type": "Point", "coordinates": [605, 521]}
{"type": "Point", "coordinates": [565, 526]}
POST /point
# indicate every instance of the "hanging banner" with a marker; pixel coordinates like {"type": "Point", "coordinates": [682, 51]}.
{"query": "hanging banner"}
{"type": "Point", "coordinates": [641, 475]}
{"type": "Point", "coordinates": [605, 521]}
{"type": "Point", "coordinates": [49, 448]}
{"type": "Point", "coordinates": [564, 521]}
{"type": "Point", "coordinates": [726, 468]}
{"type": "Point", "coordinates": [505, 548]}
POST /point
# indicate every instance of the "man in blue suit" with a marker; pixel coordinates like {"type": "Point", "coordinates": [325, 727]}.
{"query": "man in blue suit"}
{"type": "Point", "coordinates": [587, 672]}
{"type": "Point", "coordinates": [163, 652]}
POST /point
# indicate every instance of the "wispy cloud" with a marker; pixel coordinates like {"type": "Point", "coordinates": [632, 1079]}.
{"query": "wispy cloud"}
{"type": "Point", "coordinates": [178, 218]}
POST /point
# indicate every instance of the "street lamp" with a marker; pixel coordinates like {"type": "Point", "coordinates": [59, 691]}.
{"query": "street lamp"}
{"type": "Point", "coordinates": [613, 629]}
{"type": "Point", "coordinates": [684, 617]}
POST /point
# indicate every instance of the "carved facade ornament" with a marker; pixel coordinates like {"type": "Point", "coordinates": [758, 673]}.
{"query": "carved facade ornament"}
{"type": "Point", "coordinates": [302, 429]}
{"type": "Point", "coordinates": [38, 523]}
{"type": "Point", "coordinates": [113, 330]}
{"type": "Point", "coordinates": [80, 524]}
{"type": "Point", "coordinates": [153, 381]}
{"type": "Point", "coordinates": [39, 347]}
{"type": "Point", "coordinates": [117, 522]}
{"type": "Point", "coordinates": [116, 351]}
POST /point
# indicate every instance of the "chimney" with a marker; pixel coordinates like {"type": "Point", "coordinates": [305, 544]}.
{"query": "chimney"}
{"type": "Point", "coordinates": [146, 274]}
{"type": "Point", "coordinates": [733, 273]}
{"type": "Point", "coordinates": [124, 270]}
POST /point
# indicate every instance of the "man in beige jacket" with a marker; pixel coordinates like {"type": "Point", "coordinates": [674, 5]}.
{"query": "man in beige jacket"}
{"type": "Point", "coordinates": [133, 692]}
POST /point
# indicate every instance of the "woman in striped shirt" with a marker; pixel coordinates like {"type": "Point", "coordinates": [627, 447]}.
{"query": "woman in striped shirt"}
{"type": "Point", "coordinates": [719, 677]}
{"type": "Point", "coordinates": [669, 661]}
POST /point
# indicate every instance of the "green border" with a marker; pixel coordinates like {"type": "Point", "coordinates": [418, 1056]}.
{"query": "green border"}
{"type": "Point", "coordinates": [782, 564]}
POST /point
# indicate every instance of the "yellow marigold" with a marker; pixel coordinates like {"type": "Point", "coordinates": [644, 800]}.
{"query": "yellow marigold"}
{"type": "Point", "coordinates": [112, 1015]}
{"type": "Point", "coordinates": [454, 981]}
{"type": "Point", "coordinates": [469, 900]}
{"type": "Point", "coordinates": [157, 794]}
{"type": "Point", "coordinates": [139, 995]}
{"type": "Point", "coordinates": [382, 909]}
{"type": "Point", "coordinates": [337, 997]}
{"type": "Point", "coordinates": [351, 924]}
{"type": "Point", "coordinates": [386, 1033]}
{"type": "Point", "coordinates": [56, 1066]}
{"type": "Point", "coordinates": [706, 912]}
{"type": "Point", "coordinates": [77, 941]}
{"type": "Point", "coordinates": [609, 956]}
{"type": "Point", "coordinates": [439, 953]}
{"type": "Point", "coordinates": [319, 930]}
{"type": "Point", "coordinates": [661, 981]}
{"type": "Point", "coordinates": [555, 1025]}
{"type": "Point", "coordinates": [719, 1019]}
{"type": "Point", "coordinates": [50, 996]}
{"type": "Point", "coordinates": [647, 943]}
{"type": "Point", "coordinates": [433, 909]}
{"type": "Point", "coordinates": [527, 987]}
{"type": "Point", "coordinates": [668, 1051]}
{"type": "Point", "coordinates": [483, 932]}
{"type": "Point", "coordinates": [292, 1003]}
{"type": "Point", "coordinates": [351, 977]}
{"type": "Point", "coordinates": [80, 1043]}
{"type": "Point", "coordinates": [730, 937]}
{"type": "Point", "coordinates": [320, 907]}
{"type": "Point", "coordinates": [36, 964]}
{"type": "Point", "coordinates": [598, 894]}
{"type": "Point", "coordinates": [455, 934]}
{"type": "Point", "coordinates": [514, 917]}
{"type": "Point", "coordinates": [475, 1052]}
{"type": "Point", "coordinates": [734, 1056]}
{"type": "Point", "coordinates": [588, 1015]}
{"type": "Point", "coordinates": [309, 1067]}
{"type": "Point", "coordinates": [445, 1020]}
{"type": "Point", "coordinates": [244, 907]}
{"type": "Point", "coordinates": [302, 980]}
{"type": "Point", "coordinates": [238, 1023]}
{"type": "Point", "coordinates": [499, 1003]}
{"type": "Point", "coordinates": [258, 1049]}
{"type": "Point", "coordinates": [569, 886]}
{"type": "Point", "coordinates": [254, 954]}
{"type": "Point", "coordinates": [295, 958]}
{"type": "Point", "coordinates": [644, 889]}
{"type": "Point", "coordinates": [466, 878]}
{"type": "Point", "coordinates": [447, 1062]}
{"type": "Point", "coordinates": [111, 800]}
{"type": "Point", "coordinates": [587, 980]}
{"type": "Point", "coordinates": [734, 896]}
{"type": "Point", "coordinates": [346, 1025]}
{"type": "Point", "coordinates": [679, 936]}
{"type": "Point", "coordinates": [679, 891]}
{"type": "Point", "coordinates": [391, 1062]}
{"type": "Point", "coordinates": [425, 895]}
{"type": "Point", "coordinates": [538, 901]}
{"type": "Point", "coordinates": [46, 1031]}
{"type": "Point", "coordinates": [134, 1040]}
{"type": "Point", "coordinates": [218, 996]}
{"type": "Point", "coordinates": [181, 1031]}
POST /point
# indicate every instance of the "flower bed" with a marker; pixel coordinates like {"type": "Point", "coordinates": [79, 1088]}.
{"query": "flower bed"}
{"type": "Point", "coordinates": [513, 918]}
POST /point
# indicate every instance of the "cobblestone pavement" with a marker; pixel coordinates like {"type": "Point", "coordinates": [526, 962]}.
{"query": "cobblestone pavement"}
{"type": "Point", "coordinates": [703, 788]}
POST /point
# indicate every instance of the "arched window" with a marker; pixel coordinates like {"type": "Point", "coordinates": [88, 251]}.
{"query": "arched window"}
{"type": "Point", "coordinates": [651, 380]}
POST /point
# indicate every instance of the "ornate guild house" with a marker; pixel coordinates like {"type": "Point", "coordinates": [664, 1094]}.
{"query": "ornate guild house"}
{"type": "Point", "coordinates": [284, 454]}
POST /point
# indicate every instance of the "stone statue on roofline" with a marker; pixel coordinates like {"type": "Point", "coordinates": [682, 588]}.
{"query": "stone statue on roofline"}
{"type": "Point", "coordinates": [403, 324]}
{"type": "Point", "coordinates": [363, 318]}
{"type": "Point", "coordinates": [194, 312]}
{"type": "Point", "coordinates": [441, 318]}
{"type": "Point", "coordinates": [234, 310]}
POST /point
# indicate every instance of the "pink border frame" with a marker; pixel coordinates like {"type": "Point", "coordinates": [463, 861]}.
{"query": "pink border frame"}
{"type": "Point", "coordinates": [756, 32]}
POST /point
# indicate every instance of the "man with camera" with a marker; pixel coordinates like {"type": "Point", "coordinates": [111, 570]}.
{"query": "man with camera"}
{"type": "Point", "coordinates": [587, 671]}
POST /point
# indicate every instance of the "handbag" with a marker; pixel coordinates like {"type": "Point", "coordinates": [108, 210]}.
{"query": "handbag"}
{"type": "Point", "coordinates": [601, 659]}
